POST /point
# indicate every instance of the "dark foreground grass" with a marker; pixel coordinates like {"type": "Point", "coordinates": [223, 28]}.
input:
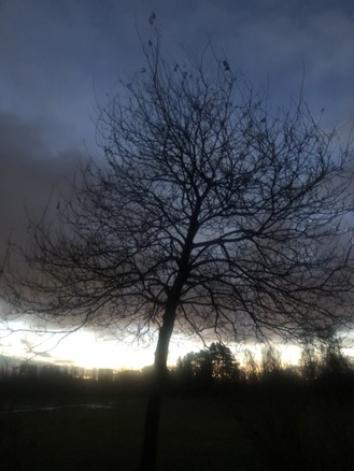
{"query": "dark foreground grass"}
{"type": "Point", "coordinates": [246, 431]}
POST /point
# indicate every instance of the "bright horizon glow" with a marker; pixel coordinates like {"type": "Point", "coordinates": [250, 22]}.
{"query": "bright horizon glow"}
{"type": "Point", "coordinates": [89, 350]}
{"type": "Point", "coordinates": [86, 349]}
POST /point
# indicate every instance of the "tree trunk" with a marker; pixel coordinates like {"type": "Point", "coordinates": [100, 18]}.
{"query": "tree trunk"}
{"type": "Point", "coordinates": [152, 417]}
{"type": "Point", "coordinates": [151, 432]}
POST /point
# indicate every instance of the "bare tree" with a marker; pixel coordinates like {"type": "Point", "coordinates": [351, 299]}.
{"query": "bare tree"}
{"type": "Point", "coordinates": [210, 211]}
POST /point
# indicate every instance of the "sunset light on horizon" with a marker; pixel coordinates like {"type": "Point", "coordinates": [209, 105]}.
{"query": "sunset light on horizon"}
{"type": "Point", "coordinates": [91, 349]}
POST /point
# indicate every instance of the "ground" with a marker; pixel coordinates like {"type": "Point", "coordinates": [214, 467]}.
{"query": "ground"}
{"type": "Point", "coordinates": [209, 432]}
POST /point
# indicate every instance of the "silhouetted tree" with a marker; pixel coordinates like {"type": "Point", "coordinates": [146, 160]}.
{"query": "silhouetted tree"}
{"type": "Point", "coordinates": [213, 363]}
{"type": "Point", "coordinates": [186, 368]}
{"type": "Point", "coordinates": [250, 366]}
{"type": "Point", "coordinates": [210, 212]}
{"type": "Point", "coordinates": [203, 367]}
{"type": "Point", "coordinates": [271, 361]}
{"type": "Point", "coordinates": [196, 368]}
{"type": "Point", "coordinates": [309, 362]}
{"type": "Point", "coordinates": [335, 373]}
{"type": "Point", "coordinates": [224, 365]}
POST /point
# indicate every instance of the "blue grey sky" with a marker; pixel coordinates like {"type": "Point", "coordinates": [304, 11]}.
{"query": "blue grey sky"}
{"type": "Point", "coordinates": [58, 59]}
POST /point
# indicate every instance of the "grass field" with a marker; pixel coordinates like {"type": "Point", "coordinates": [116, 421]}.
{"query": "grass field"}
{"type": "Point", "coordinates": [198, 432]}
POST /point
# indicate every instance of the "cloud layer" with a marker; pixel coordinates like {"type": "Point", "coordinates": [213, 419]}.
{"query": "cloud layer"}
{"type": "Point", "coordinates": [58, 59]}
{"type": "Point", "coordinates": [31, 175]}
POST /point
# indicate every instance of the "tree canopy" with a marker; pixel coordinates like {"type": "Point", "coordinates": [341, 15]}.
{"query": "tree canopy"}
{"type": "Point", "coordinates": [210, 210]}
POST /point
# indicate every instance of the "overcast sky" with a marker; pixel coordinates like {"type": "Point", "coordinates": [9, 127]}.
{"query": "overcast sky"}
{"type": "Point", "coordinates": [58, 59]}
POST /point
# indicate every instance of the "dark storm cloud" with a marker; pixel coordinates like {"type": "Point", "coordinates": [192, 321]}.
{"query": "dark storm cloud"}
{"type": "Point", "coordinates": [31, 175]}
{"type": "Point", "coordinates": [58, 57]}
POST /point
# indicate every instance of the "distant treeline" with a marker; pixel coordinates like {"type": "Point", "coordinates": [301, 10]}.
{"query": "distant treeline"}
{"type": "Point", "coordinates": [212, 369]}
